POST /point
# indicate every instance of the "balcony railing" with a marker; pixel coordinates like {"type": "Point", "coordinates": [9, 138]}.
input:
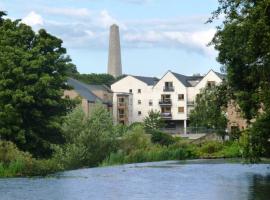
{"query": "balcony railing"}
{"type": "Point", "coordinates": [121, 116]}
{"type": "Point", "coordinates": [166, 115]}
{"type": "Point", "coordinates": [165, 102]}
{"type": "Point", "coordinates": [121, 104]}
{"type": "Point", "coordinates": [190, 103]}
{"type": "Point", "coordinates": [168, 89]}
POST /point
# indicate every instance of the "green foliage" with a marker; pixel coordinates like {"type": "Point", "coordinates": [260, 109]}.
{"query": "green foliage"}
{"type": "Point", "coordinates": [33, 68]}
{"type": "Point", "coordinates": [255, 140]}
{"type": "Point", "coordinates": [216, 149]}
{"type": "Point", "coordinates": [135, 138]}
{"type": "Point", "coordinates": [208, 111]}
{"type": "Point", "coordinates": [96, 79]}
{"type": "Point", "coordinates": [153, 121]}
{"type": "Point", "coordinates": [89, 139]}
{"type": "Point", "coordinates": [162, 138]}
{"type": "Point", "coordinates": [17, 163]}
{"type": "Point", "coordinates": [155, 153]}
{"type": "Point", "coordinates": [243, 42]}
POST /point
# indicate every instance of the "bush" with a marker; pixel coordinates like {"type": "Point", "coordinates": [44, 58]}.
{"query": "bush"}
{"type": "Point", "coordinates": [89, 139]}
{"type": "Point", "coordinates": [210, 147]}
{"type": "Point", "coordinates": [135, 139]}
{"type": "Point", "coordinates": [17, 163]}
{"type": "Point", "coordinates": [159, 137]}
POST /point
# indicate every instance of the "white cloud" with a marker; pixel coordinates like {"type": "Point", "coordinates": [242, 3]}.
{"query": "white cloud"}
{"type": "Point", "coordinates": [105, 20]}
{"type": "Point", "coordinates": [33, 19]}
{"type": "Point", "coordinates": [90, 30]}
{"type": "Point", "coordinates": [76, 12]}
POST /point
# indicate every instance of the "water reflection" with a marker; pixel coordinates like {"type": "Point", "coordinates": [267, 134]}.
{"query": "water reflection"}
{"type": "Point", "coordinates": [259, 187]}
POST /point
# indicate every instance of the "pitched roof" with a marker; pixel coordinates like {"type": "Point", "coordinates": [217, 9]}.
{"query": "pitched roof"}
{"type": "Point", "coordinates": [221, 76]}
{"type": "Point", "coordinates": [99, 87]}
{"type": "Point", "coordinates": [83, 90]}
{"type": "Point", "coordinates": [188, 81]}
{"type": "Point", "coordinates": [147, 80]}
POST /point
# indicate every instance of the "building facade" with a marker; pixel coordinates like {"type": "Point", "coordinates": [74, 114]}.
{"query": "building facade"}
{"type": "Point", "coordinates": [89, 95]}
{"type": "Point", "coordinates": [173, 95]}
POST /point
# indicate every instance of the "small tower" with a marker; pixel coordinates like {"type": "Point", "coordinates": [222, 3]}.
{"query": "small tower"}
{"type": "Point", "coordinates": [114, 61]}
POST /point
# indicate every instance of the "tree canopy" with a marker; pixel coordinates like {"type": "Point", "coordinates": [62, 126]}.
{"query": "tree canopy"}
{"type": "Point", "coordinates": [243, 43]}
{"type": "Point", "coordinates": [33, 69]}
{"type": "Point", "coordinates": [209, 111]}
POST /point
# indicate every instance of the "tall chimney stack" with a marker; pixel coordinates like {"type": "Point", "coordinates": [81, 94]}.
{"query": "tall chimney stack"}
{"type": "Point", "coordinates": [114, 62]}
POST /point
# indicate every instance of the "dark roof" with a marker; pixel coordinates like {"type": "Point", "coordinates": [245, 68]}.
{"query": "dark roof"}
{"type": "Point", "coordinates": [188, 81]}
{"type": "Point", "coordinates": [99, 87]}
{"type": "Point", "coordinates": [147, 80]}
{"type": "Point", "coordinates": [83, 90]}
{"type": "Point", "coordinates": [221, 76]}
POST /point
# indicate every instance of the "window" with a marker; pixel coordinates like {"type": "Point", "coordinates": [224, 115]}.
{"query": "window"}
{"type": "Point", "coordinates": [180, 96]}
{"type": "Point", "coordinates": [211, 83]}
{"type": "Point", "coordinates": [168, 84]}
{"type": "Point", "coordinates": [130, 90]}
{"type": "Point", "coordinates": [121, 100]}
{"type": "Point", "coordinates": [139, 112]}
{"type": "Point", "coordinates": [168, 87]}
{"type": "Point", "coordinates": [181, 109]}
{"type": "Point", "coordinates": [139, 102]}
{"type": "Point", "coordinates": [150, 103]}
{"type": "Point", "coordinates": [139, 90]}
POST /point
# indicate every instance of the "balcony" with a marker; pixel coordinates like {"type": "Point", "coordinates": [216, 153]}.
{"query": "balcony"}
{"type": "Point", "coordinates": [165, 102]}
{"type": "Point", "coordinates": [121, 116]}
{"type": "Point", "coordinates": [122, 104]}
{"type": "Point", "coordinates": [166, 115]}
{"type": "Point", "coordinates": [168, 89]}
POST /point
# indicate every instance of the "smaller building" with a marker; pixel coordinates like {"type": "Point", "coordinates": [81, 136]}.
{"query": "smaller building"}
{"type": "Point", "coordinates": [89, 94]}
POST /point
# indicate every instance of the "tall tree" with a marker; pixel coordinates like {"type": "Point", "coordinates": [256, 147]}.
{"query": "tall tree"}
{"type": "Point", "coordinates": [33, 69]}
{"type": "Point", "coordinates": [209, 109]}
{"type": "Point", "coordinates": [243, 43]}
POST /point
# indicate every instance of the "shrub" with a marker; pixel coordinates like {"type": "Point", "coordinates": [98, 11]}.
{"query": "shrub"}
{"type": "Point", "coordinates": [89, 139]}
{"type": "Point", "coordinates": [162, 138]}
{"type": "Point", "coordinates": [135, 139]}
{"type": "Point", "coordinates": [17, 163]}
{"type": "Point", "coordinates": [210, 147]}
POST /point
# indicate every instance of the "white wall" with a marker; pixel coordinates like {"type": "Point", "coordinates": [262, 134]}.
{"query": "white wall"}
{"type": "Point", "coordinates": [179, 88]}
{"type": "Point", "coordinates": [123, 86]}
{"type": "Point", "coordinates": [154, 93]}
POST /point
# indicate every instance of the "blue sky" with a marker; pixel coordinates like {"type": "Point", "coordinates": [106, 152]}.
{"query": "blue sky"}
{"type": "Point", "coordinates": [156, 35]}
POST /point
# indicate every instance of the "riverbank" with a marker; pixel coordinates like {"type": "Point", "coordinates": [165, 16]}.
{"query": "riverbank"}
{"type": "Point", "coordinates": [15, 163]}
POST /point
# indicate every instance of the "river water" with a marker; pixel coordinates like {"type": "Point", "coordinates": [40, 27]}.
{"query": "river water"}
{"type": "Point", "coordinates": [189, 180]}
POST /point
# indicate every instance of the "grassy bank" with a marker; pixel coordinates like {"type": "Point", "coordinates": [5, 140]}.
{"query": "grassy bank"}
{"type": "Point", "coordinates": [15, 163]}
{"type": "Point", "coordinates": [179, 151]}
{"type": "Point", "coordinates": [92, 141]}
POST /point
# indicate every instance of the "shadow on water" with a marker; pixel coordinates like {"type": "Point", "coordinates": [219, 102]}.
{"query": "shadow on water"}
{"type": "Point", "coordinates": [259, 188]}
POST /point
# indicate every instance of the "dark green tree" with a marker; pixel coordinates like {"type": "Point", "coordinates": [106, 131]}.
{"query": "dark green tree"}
{"type": "Point", "coordinates": [243, 43]}
{"type": "Point", "coordinates": [95, 79]}
{"type": "Point", "coordinates": [209, 111]}
{"type": "Point", "coordinates": [33, 69]}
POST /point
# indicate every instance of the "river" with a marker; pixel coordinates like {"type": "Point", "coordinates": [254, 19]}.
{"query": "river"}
{"type": "Point", "coordinates": [186, 180]}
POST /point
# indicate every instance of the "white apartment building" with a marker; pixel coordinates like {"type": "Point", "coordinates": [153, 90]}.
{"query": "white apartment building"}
{"type": "Point", "coordinates": [173, 95]}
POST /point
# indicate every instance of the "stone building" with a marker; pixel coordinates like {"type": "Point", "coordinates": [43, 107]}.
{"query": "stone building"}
{"type": "Point", "coordinates": [89, 95]}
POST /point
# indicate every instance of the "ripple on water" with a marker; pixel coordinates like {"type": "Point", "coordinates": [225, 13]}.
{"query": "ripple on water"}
{"type": "Point", "coordinates": [197, 179]}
